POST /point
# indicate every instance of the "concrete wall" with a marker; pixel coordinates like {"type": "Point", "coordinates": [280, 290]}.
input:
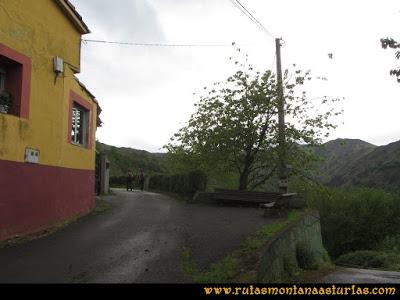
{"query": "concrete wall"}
{"type": "Point", "coordinates": [298, 246]}
{"type": "Point", "coordinates": [105, 175]}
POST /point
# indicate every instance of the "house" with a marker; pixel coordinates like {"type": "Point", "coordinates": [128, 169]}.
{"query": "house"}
{"type": "Point", "coordinates": [47, 137]}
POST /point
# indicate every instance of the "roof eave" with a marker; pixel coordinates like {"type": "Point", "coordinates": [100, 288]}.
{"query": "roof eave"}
{"type": "Point", "coordinates": [76, 19]}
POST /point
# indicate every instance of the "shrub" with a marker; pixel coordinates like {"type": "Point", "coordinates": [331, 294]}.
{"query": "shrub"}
{"type": "Point", "coordinates": [185, 184]}
{"type": "Point", "coordinates": [117, 181]}
{"type": "Point", "coordinates": [353, 219]}
{"type": "Point", "coordinates": [371, 259]}
{"type": "Point", "coordinates": [390, 244]}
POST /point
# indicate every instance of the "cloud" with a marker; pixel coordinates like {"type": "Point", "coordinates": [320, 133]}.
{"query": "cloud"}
{"type": "Point", "coordinates": [121, 19]}
{"type": "Point", "coordinates": [147, 92]}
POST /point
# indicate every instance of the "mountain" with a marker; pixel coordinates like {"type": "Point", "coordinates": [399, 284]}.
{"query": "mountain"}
{"type": "Point", "coordinates": [335, 155]}
{"type": "Point", "coordinates": [343, 162]}
{"type": "Point", "coordinates": [124, 159]}
{"type": "Point", "coordinates": [379, 168]}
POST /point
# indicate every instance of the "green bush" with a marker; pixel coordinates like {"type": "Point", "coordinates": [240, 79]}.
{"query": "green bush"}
{"type": "Point", "coordinates": [371, 259]}
{"type": "Point", "coordinates": [390, 244]}
{"type": "Point", "coordinates": [185, 184]}
{"type": "Point", "coordinates": [354, 219]}
{"type": "Point", "coordinates": [117, 181]}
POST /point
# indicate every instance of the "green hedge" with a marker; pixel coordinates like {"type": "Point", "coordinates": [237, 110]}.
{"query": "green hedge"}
{"type": "Point", "coordinates": [371, 259]}
{"type": "Point", "coordinates": [118, 181]}
{"type": "Point", "coordinates": [185, 184]}
{"type": "Point", "coordinates": [354, 218]}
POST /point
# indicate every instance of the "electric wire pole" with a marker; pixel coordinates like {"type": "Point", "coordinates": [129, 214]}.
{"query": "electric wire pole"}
{"type": "Point", "coordinates": [283, 178]}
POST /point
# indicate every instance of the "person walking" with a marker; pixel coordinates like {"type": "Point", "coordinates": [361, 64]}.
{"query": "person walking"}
{"type": "Point", "coordinates": [129, 181]}
{"type": "Point", "coordinates": [141, 179]}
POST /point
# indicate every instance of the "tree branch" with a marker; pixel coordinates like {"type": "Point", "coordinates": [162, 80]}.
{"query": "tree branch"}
{"type": "Point", "coordinates": [259, 180]}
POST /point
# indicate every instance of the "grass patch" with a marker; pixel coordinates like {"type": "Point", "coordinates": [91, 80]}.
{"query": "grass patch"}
{"type": "Point", "coordinates": [311, 276]}
{"type": "Point", "coordinates": [222, 271]}
{"type": "Point", "coordinates": [240, 265]}
{"type": "Point", "coordinates": [101, 206]}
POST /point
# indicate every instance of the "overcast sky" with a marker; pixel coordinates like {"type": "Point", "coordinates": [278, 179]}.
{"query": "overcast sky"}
{"type": "Point", "coordinates": [146, 93]}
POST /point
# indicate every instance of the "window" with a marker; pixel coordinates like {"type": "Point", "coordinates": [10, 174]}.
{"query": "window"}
{"type": "Point", "coordinates": [15, 79]}
{"type": "Point", "coordinates": [80, 125]}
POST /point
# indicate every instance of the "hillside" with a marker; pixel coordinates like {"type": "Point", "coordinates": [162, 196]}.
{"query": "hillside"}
{"type": "Point", "coordinates": [344, 162]}
{"type": "Point", "coordinates": [379, 168]}
{"type": "Point", "coordinates": [335, 155]}
{"type": "Point", "coordinates": [124, 159]}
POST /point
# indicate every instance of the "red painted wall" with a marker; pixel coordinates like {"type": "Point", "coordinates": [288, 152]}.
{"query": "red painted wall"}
{"type": "Point", "coordinates": [36, 197]}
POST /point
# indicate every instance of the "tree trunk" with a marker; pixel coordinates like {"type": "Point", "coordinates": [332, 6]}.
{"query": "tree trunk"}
{"type": "Point", "coordinates": [244, 176]}
{"type": "Point", "coordinates": [243, 180]}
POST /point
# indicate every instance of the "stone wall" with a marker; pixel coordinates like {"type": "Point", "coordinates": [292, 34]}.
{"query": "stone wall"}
{"type": "Point", "coordinates": [298, 246]}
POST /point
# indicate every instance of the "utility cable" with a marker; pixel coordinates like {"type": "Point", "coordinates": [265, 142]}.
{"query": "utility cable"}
{"type": "Point", "coordinates": [248, 14]}
{"type": "Point", "coordinates": [156, 44]}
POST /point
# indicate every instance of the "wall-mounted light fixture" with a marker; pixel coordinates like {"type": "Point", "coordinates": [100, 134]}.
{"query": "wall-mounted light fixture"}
{"type": "Point", "coordinates": [58, 65]}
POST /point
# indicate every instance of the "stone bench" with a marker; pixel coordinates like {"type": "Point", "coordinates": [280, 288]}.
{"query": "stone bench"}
{"type": "Point", "coordinates": [265, 200]}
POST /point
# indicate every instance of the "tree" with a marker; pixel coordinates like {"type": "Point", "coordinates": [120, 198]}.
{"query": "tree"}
{"type": "Point", "coordinates": [391, 43]}
{"type": "Point", "coordinates": [235, 128]}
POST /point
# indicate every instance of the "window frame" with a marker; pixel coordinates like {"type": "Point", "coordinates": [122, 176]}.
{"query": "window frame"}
{"type": "Point", "coordinates": [83, 130]}
{"type": "Point", "coordinates": [80, 104]}
{"type": "Point", "coordinates": [23, 87]}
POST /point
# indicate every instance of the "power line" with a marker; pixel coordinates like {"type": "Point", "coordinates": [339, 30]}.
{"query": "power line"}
{"type": "Point", "coordinates": [248, 14]}
{"type": "Point", "coordinates": [273, 62]}
{"type": "Point", "coordinates": [254, 18]}
{"type": "Point", "coordinates": [156, 44]}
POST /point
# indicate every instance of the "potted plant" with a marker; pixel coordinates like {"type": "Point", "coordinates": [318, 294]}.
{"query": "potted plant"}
{"type": "Point", "coordinates": [5, 102]}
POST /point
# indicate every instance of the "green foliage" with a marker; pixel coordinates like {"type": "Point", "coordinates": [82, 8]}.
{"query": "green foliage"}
{"type": "Point", "coordinates": [304, 256]}
{"type": "Point", "coordinates": [353, 219]}
{"type": "Point", "coordinates": [371, 259]}
{"type": "Point", "coordinates": [6, 101]}
{"type": "Point", "coordinates": [390, 244]}
{"type": "Point", "coordinates": [222, 271]}
{"type": "Point", "coordinates": [185, 184]}
{"type": "Point", "coordinates": [123, 160]}
{"type": "Point", "coordinates": [235, 128]}
{"type": "Point", "coordinates": [391, 43]}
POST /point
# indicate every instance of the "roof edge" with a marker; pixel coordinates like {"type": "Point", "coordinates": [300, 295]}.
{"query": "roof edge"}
{"type": "Point", "coordinates": [91, 96]}
{"type": "Point", "coordinates": [72, 14]}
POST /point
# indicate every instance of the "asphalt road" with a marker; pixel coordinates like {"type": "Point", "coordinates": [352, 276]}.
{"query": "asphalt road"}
{"type": "Point", "coordinates": [139, 241]}
{"type": "Point", "coordinates": [351, 275]}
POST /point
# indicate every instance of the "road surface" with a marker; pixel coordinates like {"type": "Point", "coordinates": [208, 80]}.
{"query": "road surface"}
{"type": "Point", "coordinates": [352, 275]}
{"type": "Point", "coordinates": [140, 240]}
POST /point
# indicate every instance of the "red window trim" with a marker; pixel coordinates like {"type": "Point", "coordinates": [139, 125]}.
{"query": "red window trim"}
{"type": "Point", "coordinates": [75, 98]}
{"type": "Point", "coordinates": [26, 63]}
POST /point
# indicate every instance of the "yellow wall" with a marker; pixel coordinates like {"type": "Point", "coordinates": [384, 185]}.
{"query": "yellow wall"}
{"type": "Point", "coordinates": [40, 30]}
